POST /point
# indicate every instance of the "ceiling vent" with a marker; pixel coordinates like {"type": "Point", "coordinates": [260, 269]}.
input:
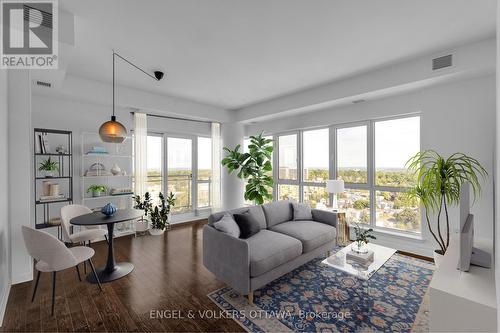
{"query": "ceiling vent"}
{"type": "Point", "coordinates": [442, 62]}
{"type": "Point", "coordinates": [43, 84]}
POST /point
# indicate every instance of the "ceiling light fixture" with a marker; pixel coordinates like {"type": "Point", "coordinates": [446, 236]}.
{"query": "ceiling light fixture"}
{"type": "Point", "coordinates": [112, 130]}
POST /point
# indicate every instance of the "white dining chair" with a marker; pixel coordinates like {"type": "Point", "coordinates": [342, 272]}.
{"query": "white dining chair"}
{"type": "Point", "coordinates": [51, 255]}
{"type": "Point", "coordinates": [89, 234]}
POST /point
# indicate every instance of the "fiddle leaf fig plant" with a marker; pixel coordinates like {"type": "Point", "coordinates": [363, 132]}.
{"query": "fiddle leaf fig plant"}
{"type": "Point", "coordinates": [255, 167]}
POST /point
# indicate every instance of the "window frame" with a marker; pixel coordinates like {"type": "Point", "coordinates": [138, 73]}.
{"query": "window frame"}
{"type": "Point", "coordinates": [194, 169]}
{"type": "Point", "coordinates": [333, 165]}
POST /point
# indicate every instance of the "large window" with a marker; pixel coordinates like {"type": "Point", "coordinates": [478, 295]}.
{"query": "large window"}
{"type": "Point", "coordinates": [395, 142]}
{"type": "Point", "coordinates": [352, 154]}
{"type": "Point", "coordinates": [204, 181]}
{"type": "Point", "coordinates": [370, 157]}
{"type": "Point", "coordinates": [180, 172]}
{"type": "Point", "coordinates": [154, 165]}
{"type": "Point", "coordinates": [315, 155]}
{"type": "Point", "coordinates": [287, 155]}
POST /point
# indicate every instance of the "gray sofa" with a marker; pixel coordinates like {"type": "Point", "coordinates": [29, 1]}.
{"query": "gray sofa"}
{"type": "Point", "coordinates": [280, 246]}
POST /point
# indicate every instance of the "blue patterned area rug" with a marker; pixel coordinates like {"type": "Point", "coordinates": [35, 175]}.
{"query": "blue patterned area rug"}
{"type": "Point", "coordinates": [319, 298]}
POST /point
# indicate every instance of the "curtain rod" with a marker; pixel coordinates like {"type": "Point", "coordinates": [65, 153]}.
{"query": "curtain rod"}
{"type": "Point", "coordinates": [175, 118]}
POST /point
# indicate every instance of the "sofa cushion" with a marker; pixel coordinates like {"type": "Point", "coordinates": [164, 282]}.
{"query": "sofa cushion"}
{"type": "Point", "coordinates": [270, 249]}
{"type": "Point", "coordinates": [277, 212]}
{"type": "Point", "coordinates": [311, 234]}
{"type": "Point", "coordinates": [228, 225]}
{"type": "Point", "coordinates": [256, 212]}
{"type": "Point", "coordinates": [248, 225]}
{"type": "Point", "coordinates": [301, 211]}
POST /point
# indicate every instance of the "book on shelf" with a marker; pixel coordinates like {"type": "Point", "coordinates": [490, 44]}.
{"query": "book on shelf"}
{"type": "Point", "coordinates": [51, 197]}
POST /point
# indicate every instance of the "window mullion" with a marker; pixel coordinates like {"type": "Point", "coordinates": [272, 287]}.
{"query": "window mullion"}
{"type": "Point", "coordinates": [371, 171]}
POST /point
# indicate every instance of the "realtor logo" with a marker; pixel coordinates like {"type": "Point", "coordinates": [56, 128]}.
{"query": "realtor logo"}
{"type": "Point", "coordinates": [29, 34]}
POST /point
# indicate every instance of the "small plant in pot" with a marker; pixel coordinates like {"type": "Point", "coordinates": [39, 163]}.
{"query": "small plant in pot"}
{"type": "Point", "coordinates": [363, 237]}
{"type": "Point", "coordinates": [49, 167]}
{"type": "Point", "coordinates": [97, 190]}
{"type": "Point", "coordinates": [160, 215]}
{"type": "Point", "coordinates": [145, 205]}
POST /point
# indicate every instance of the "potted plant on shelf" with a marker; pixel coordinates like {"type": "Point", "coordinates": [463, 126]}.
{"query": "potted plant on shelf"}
{"type": "Point", "coordinates": [49, 167]}
{"type": "Point", "coordinates": [438, 186]}
{"type": "Point", "coordinates": [160, 215]}
{"type": "Point", "coordinates": [363, 237]}
{"type": "Point", "coordinates": [145, 205]}
{"type": "Point", "coordinates": [254, 166]}
{"type": "Point", "coordinates": [97, 190]}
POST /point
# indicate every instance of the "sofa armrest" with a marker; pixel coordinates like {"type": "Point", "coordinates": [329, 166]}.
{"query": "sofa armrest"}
{"type": "Point", "coordinates": [325, 216]}
{"type": "Point", "coordinates": [227, 257]}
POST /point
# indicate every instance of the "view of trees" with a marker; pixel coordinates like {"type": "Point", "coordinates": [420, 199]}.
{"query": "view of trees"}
{"type": "Point", "coordinates": [179, 182]}
{"type": "Point", "coordinates": [393, 209]}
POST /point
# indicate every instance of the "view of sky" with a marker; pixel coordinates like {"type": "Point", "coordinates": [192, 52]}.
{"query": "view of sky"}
{"type": "Point", "coordinates": [179, 153]}
{"type": "Point", "coordinates": [396, 141]}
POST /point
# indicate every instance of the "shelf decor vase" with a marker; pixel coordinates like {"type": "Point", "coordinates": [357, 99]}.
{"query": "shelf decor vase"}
{"type": "Point", "coordinates": [116, 170]}
{"type": "Point", "coordinates": [109, 209]}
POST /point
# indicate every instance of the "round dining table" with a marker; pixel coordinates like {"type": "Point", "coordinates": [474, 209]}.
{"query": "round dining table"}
{"type": "Point", "coordinates": [112, 270]}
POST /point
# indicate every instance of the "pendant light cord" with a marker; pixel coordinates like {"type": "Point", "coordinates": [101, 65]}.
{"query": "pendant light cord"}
{"type": "Point", "coordinates": [114, 84]}
{"type": "Point", "coordinates": [132, 64]}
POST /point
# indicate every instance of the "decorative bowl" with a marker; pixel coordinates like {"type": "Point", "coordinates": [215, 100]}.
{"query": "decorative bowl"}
{"type": "Point", "coordinates": [109, 209]}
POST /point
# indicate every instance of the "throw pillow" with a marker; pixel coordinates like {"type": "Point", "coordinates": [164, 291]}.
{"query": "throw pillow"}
{"type": "Point", "coordinates": [228, 225]}
{"type": "Point", "coordinates": [301, 211]}
{"type": "Point", "coordinates": [249, 226]}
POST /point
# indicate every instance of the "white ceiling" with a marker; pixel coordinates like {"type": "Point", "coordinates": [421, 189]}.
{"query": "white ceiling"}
{"type": "Point", "coordinates": [233, 53]}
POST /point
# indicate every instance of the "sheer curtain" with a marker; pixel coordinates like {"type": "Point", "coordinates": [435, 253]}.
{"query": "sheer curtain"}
{"type": "Point", "coordinates": [216, 168]}
{"type": "Point", "coordinates": [140, 152]}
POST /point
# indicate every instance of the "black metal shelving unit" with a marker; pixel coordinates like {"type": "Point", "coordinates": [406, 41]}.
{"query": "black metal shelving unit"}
{"type": "Point", "coordinates": [65, 161]}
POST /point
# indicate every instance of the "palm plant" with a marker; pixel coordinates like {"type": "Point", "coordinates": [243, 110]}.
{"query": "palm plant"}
{"type": "Point", "coordinates": [439, 183]}
{"type": "Point", "coordinates": [254, 166]}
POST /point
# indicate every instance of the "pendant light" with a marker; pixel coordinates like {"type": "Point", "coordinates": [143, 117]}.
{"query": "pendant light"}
{"type": "Point", "coordinates": [112, 130]}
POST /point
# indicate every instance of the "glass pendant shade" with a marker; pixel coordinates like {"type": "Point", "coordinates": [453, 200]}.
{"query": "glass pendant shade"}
{"type": "Point", "coordinates": [113, 131]}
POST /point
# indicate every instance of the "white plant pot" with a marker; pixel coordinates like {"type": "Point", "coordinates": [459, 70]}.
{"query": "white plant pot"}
{"type": "Point", "coordinates": [156, 232]}
{"type": "Point", "coordinates": [359, 249]}
{"type": "Point", "coordinates": [438, 258]}
{"type": "Point", "coordinates": [142, 225]}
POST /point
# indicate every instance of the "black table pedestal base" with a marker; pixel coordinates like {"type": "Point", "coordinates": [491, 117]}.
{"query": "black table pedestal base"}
{"type": "Point", "coordinates": [121, 269]}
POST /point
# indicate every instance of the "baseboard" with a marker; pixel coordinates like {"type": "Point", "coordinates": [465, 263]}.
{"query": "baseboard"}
{"type": "Point", "coordinates": [25, 277]}
{"type": "Point", "coordinates": [3, 303]}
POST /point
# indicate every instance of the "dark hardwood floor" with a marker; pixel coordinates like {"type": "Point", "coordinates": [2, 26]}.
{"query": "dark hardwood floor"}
{"type": "Point", "coordinates": [169, 276]}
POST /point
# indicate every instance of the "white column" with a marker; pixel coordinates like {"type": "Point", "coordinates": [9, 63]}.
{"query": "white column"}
{"type": "Point", "coordinates": [232, 187]}
{"type": "Point", "coordinates": [20, 170]}
{"type": "Point", "coordinates": [4, 198]}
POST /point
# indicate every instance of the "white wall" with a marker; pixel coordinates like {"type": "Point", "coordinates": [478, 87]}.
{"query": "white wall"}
{"type": "Point", "coordinates": [497, 175]}
{"type": "Point", "coordinates": [456, 117]}
{"type": "Point", "coordinates": [4, 198]}
{"type": "Point", "coordinates": [20, 170]}
{"type": "Point", "coordinates": [232, 187]}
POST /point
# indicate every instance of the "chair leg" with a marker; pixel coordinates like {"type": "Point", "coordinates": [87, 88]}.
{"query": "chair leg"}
{"type": "Point", "coordinates": [53, 290]}
{"type": "Point", "coordinates": [106, 238]}
{"type": "Point", "coordinates": [36, 286]}
{"type": "Point", "coordinates": [84, 263]}
{"type": "Point", "coordinates": [78, 272]}
{"type": "Point", "coordinates": [95, 274]}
